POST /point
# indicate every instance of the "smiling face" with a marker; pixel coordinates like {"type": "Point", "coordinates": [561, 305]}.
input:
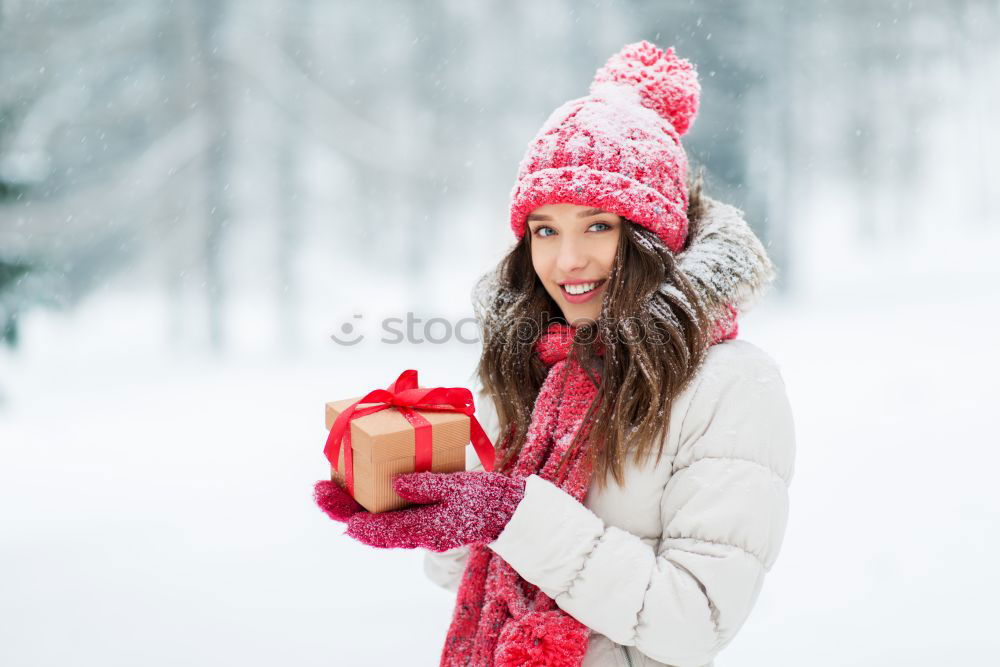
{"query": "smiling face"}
{"type": "Point", "coordinates": [572, 250]}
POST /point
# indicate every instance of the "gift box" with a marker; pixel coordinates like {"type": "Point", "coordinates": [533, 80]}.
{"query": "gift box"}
{"type": "Point", "coordinates": [405, 428]}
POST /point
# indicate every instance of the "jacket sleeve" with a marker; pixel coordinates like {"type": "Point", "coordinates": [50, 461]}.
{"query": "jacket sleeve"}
{"type": "Point", "coordinates": [723, 513]}
{"type": "Point", "coordinates": [445, 568]}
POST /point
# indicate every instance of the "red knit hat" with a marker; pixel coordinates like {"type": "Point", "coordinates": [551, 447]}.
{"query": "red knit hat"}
{"type": "Point", "coordinates": [619, 148]}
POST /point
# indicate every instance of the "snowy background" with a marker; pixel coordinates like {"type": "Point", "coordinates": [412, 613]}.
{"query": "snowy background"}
{"type": "Point", "coordinates": [195, 196]}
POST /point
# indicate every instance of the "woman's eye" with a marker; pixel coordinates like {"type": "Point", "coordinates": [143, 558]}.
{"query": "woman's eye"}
{"type": "Point", "coordinates": [540, 230]}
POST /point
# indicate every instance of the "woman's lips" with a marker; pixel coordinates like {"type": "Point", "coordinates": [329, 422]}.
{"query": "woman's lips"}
{"type": "Point", "coordinates": [586, 296]}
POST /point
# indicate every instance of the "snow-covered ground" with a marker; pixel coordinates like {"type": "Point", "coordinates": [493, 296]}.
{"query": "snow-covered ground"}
{"type": "Point", "coordinates": [155, 505]}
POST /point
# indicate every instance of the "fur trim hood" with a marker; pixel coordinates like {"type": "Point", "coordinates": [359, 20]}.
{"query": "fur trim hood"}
{"type": "Point", "coordinates": [725, 260]}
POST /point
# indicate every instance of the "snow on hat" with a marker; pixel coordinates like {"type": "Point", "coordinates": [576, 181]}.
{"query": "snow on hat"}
{"type": "Point", "coordinates": [618, 149]}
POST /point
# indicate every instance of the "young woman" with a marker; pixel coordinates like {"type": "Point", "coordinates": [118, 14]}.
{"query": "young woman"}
{"type": "Point", "coordinates": [640, 492]}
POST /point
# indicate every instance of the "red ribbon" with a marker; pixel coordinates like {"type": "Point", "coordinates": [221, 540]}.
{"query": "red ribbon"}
{"type": "Point", "coordinates": [405, 396]}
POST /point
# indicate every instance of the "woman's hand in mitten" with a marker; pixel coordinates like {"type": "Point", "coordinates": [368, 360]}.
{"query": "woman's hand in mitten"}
{"type": "Point", "coordinates": [335, 501]}
{"type": "Point", "coordinates": [456, 509]}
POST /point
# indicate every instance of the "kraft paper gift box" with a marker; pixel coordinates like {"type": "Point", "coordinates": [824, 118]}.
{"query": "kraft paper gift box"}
{"type": "Point", "coordinates": [383, 445]}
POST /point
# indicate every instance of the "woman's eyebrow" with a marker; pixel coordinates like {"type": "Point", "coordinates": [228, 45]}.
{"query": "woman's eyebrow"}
{"type": "Point", "coordinates": [582, 214]}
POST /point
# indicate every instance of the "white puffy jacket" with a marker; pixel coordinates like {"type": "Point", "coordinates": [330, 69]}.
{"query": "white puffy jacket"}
{"type": "Point", "coordinates": [666, 568]}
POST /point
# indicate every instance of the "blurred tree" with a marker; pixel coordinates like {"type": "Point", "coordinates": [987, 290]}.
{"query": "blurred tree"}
{"type": "Point", "coordinates": [11, 274]}
{"type": "Point", "coordinates": [214, 94]}
{"type": "Point", "coordinates": [289, 221]}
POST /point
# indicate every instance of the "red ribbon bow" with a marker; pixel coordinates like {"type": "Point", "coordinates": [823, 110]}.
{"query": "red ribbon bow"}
{"type": "Point", "coordinates": [405, 396]}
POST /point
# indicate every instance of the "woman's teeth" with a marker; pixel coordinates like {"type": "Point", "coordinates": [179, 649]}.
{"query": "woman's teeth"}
{"type": "Point", "coordinates": [582, 288]}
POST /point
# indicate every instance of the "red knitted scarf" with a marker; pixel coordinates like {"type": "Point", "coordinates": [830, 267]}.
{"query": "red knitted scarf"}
{"type": "Point", "coordinates": [499, 618]}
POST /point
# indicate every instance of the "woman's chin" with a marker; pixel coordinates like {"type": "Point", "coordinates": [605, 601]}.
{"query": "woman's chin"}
{"type": "Point", "coordinates": [578, 317]}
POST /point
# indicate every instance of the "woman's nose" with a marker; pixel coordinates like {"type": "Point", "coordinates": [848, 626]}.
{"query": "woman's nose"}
{"type": "Point", "coordinates": [571, 256]}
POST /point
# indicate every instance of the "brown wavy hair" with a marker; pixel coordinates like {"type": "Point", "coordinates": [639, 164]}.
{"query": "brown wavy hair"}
{"type": "Point", "coordinates": [654, 329]}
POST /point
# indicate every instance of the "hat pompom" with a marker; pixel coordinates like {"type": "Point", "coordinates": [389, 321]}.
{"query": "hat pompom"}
{"type": "Point", "coordinates": [666, 84]}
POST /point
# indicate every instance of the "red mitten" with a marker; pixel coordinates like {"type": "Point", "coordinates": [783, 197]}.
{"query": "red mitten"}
{"type": "Point", "coordinates": [457, 508]}
{"type": "Point", "coordinates": [336, 502]}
